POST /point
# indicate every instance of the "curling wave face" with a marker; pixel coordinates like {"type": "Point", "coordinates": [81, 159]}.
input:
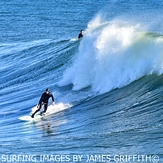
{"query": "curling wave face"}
{"type": "Point", "coordinates": [114, 54]}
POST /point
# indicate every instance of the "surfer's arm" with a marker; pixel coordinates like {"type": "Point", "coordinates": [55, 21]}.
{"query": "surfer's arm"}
{"type": "Point", "coordinates": [52, 99]}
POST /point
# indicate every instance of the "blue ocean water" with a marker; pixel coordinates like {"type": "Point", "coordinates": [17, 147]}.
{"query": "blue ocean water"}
{"type": "Point", "coordinates": [112, 78]}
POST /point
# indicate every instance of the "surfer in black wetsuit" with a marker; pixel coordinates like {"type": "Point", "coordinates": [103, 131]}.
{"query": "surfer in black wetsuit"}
{"type": "Point", "coordinates": [81, 34]}
{"type": "Point", "coordinates": [44, 101]}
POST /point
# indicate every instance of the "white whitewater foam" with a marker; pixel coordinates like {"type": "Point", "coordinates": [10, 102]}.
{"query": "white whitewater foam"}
{"type": "Point", "coordinates": [112, 55]}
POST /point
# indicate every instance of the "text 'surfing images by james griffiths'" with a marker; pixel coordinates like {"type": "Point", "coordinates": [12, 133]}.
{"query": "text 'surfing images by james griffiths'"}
{"type": "Point", "coordinates": [80, 158]}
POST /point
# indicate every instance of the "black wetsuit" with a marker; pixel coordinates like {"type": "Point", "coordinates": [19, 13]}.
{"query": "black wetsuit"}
{"type": "Point", "coordinates": [80, 35]}
{"type": "Point", "coordinates": [43, 101]}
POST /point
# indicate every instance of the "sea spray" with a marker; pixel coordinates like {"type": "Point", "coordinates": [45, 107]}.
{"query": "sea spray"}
{"type": "Point", "coordinates": [114, 54]}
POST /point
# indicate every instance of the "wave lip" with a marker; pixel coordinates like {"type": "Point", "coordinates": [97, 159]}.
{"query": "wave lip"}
{"type": "Point", "coordinates": [112, 55]}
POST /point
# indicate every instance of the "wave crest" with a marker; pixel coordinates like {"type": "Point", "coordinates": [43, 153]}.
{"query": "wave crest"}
{"type": "Point", "coordinates": [112, 55]}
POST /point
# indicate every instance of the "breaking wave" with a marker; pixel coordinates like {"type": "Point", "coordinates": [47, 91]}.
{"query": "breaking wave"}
{"type": "Point", "coordinates": [113, 54]}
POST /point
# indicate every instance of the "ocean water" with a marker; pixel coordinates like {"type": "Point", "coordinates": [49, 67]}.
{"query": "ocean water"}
{"type": "Point", "coordinates": [112, 78]}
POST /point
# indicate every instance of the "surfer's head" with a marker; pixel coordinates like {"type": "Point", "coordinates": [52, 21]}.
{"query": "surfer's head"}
{"type": "Point", "coordinates": [82, 32]}
{"type": "Point", "coordinates": [47, 90]}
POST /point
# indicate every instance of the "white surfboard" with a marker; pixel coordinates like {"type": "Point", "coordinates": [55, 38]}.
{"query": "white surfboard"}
{"type": "Point", "coordinates": [52, 109]}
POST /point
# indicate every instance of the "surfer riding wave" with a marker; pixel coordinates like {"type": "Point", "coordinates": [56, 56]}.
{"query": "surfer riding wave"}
{"type": "Point", "coordinates": [44, 101]}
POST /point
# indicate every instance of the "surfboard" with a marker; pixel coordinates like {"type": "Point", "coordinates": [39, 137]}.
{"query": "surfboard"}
{"type": "Point", "coordinates": [52, 109]}
{"type": "Point", "coordinates": [29, 118]}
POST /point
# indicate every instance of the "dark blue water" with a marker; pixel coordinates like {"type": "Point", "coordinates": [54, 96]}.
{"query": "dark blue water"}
{"type": "Point", "coordinates": [112, 78]}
